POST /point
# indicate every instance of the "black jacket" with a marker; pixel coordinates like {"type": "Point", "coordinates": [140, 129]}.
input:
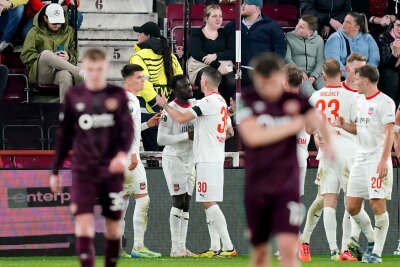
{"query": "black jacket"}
{"type": "Point", "coordinates": [388, 61]}
{"type": "Point", "coordinates": [324, 10]}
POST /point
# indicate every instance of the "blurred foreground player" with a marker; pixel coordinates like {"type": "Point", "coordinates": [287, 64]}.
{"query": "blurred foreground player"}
{"type": "Point", "coordinates": [270, 119]}
{"type": "Point", "coordinates": [96, 123]}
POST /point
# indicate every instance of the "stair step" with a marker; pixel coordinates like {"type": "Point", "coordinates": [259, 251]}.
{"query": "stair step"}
{"type": "Point", "coordinates": [115, 53]}
{"type": "Point", "coordinates": [115, 70]}
{"type": "Point", "coordinates": [106, 35]}
{"type": "Point", "coordinates": [117, 6]}
{"type": "Point", "coordinates": [96, 21]}
{"type": "Point", "coordinates": [107, 43]}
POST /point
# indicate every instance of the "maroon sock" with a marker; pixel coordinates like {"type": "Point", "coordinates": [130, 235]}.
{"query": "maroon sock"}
{"type": "Point", "coordinates": [85, 251]}
{"type": "Point", "coordinates": [111, 252]}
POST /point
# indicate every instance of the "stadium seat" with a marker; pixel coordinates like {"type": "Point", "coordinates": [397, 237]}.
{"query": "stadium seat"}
{"type": "Point", "coordinates": [23, 135]}
{"type": "Point", "coordinates": [286, 15]}
{"type": "Point", "coordinates": [35, 162]}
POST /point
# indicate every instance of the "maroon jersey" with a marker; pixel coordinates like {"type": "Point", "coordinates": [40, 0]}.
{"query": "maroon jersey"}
{"type": "Point", "coordinates": [97, 125]}
{"type": "Point", "coordinates": [273, 168]}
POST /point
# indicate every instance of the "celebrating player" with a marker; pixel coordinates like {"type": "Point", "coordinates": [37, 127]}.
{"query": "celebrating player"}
{"type": "Point", "coordinates": [333, 101]}
{"type": "Point", "coordinates": [177, 163]}
{"type": "Point", "coordinates": [135, 183]}
{"type": "Point", "coordinates": [212, 125]}
{"type": "Point", "coordinates": [96, 122]}
{"type": "Point", "coordinates": [269, 121]}
{"type": "Point", "coordinates": [371, 176]}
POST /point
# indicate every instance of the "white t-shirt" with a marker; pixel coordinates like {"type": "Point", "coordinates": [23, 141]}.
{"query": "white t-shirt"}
{"type": "Point", "coordinates": [372, 115]}
{"type": "Point", "coordinates": [134, 109]}
{"type": "Point", "coordinates": [170, 127]}
{"type": "Point", "coordinates": [332, 102]}
{"type": "Point", "coordinates": [212, 120]}
{"type": "Point", "coordinates": [303, 139]}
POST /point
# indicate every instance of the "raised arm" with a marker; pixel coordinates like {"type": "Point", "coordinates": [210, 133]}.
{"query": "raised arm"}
{"type": "Point", "coordinates": [174, 114]}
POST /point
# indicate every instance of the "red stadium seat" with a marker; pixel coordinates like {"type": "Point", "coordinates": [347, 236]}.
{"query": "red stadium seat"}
{"type": "Point", "coordinates": [35, 162]}
{"type": "Point", "coordinates": [286, 15]}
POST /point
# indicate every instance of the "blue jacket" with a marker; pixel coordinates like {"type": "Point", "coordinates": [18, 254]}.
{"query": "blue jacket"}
{"type": "Point", "coordinates": [265, 35]}
{"type": "Point", "coordinates": [363, 43]}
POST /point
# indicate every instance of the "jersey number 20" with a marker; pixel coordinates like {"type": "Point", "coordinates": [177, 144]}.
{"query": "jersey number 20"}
{"type": "Point", "coordinates": [222, 126]}
{"type": "Point", "coordinates": [333, 106]}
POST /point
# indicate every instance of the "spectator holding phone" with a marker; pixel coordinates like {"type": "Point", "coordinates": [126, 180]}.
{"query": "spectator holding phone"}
{"type": "Point", "coordinates": [49, 50]}
{"type": "Point", "coordinates": [11, 12]}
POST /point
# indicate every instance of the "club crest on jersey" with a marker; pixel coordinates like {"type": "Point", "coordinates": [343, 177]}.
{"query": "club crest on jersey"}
{"type": "Point", "coordinates": [164, 118]}
{"type": "Point", "coordinates": [176, 187]}
{"type": "Point", "coordinates": [370, 110]}
{"type": "Point", "coordinates": [80, 106]}
{"type": "Point", "coordinates": [291, 107]}
{"type": "Point", "coordinates": [142, 186]}
{"type": "Point", "coordinates": [111, 104]}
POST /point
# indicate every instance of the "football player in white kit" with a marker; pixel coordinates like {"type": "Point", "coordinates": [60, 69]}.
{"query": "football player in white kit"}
{"type": "Point", "coordinates": [212, 125]}
{"type": "Point", "coordinates": [371, 176]}
{"type": "Point", "coordinates": [396, 129]}
{"type": "Point", "coordinates": [334, 101]}
{"type": "Point", "coordinates": [177, 163]}
{"type": "Point", "coordinates": [135, 183]}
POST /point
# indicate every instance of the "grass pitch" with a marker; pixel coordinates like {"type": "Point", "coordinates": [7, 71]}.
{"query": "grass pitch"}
{"type": "Point", "coordinates": [243, 261]}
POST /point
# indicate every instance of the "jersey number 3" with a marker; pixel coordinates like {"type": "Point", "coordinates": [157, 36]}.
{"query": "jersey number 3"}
{"type": "Point", "coordinates": [333, 106]}
{"type": "Point", "coordinates": [222, 126]}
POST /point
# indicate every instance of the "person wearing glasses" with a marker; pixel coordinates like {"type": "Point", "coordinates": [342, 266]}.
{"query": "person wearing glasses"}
{"type": "Point", "coordinates": [49, 50]}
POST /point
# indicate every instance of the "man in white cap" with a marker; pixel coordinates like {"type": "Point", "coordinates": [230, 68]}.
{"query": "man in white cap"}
{"type": "Point", "coordinates": [49, 50]}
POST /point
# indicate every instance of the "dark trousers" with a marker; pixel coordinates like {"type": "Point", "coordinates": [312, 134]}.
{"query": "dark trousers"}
{"type": "Point", "coordinates": [149, 136]}
{"type": "Point", "coordinates": [227, 88]}
{"type": "Point", "coordinates": [3, 78]}
{"type": "Point", "coordinates": [389, 83]}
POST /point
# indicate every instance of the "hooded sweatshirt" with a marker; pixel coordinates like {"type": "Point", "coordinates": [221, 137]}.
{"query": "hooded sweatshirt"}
{"type": "Point", "coordinates": [308, 53]}
{"type": "Point", "coordinates": [40, 38]}
{"type": "Point", "coordinates": [149, 55]}
{"type": "Point", "coordinates": [362, 43]}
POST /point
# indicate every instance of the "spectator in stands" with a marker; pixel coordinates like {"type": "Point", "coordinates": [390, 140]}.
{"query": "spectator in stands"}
{"type": "Point", "coordinates": [330, 13]}
{"type": "Point", "coordinates": [3, 78]}
{"type": "Point", "coordinates": [389, 47]}
{"type": "Point", "coordinates": [212, 46]}
{"type": "Point", "coordinates": [11, 12]}
{"type": "Point", "coordinates": [154, 55]}
{"type": "Point", "coordinates": [306, 50]}
{"type": "Point", "coordinates": [34, 6]}
{"type": "Point", "coordinates": [49, 50]}
{"type": "Point", "coordinates": [380, 13]}
{"type": "Point", "coordinates": [259, 34]}
{"type": "Point", "coordinates": [352, 38]}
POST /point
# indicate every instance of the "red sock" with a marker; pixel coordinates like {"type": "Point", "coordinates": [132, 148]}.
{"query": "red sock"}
{"type": "Point", "coordinates": [85, 251]}
{"type": "Point", "coordinates": [111, 252]}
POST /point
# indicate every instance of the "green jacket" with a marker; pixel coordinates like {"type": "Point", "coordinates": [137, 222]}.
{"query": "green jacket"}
{"type": "Point", "coordinates": [39, 38]}
{"type": "Point", "coordinates": [308, 53]}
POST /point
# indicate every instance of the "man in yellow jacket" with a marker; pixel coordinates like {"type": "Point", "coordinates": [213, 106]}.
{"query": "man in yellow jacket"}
{"type": "Point", "coordinates": [11, 12]}
{"type": "Point", "coordinates": [154, 55]}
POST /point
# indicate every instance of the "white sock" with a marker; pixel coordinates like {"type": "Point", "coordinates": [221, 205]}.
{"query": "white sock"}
{"type": "Point", "coordinates": [175, 221]}
{"type": "Point", "coordinates": [380, 232]}
{"type": "Point", "coordinates": [183, 230]}
{"type": "Point", "coordinates": [346, 226]}
{"type": "Point", "coordinates": [364, 222]}
{"type": "Point", "coordinates": [330, 225]}
{"type": "Point", "coordinates": [140, 221]}
{"type": "Point", "coordinates": [313, 216]}
{"type": "Point", "coordinates": [214, 236]}
{"type": "Point", "coordinates": [215, 214]}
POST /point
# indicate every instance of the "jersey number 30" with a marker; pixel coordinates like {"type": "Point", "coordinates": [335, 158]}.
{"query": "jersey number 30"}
{"type": "Point", "coordinates": [333, 106]}
{"type": "Point", "coordinates": [222, 126]}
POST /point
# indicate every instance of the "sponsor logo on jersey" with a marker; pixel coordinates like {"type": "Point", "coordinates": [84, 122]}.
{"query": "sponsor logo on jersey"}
{"type": "Point", "coordinates": [87, 121]}
{"type": "Point", "coordinates": [269, 121]}
{"type": "Point", "coordinates": [111, 104]}
{"type": "Point", "coordinates": [176, 187]}
{"type": "Point", "coordinates": [142, 186]}
{"type": "Point", "coordinates": [164, 118]}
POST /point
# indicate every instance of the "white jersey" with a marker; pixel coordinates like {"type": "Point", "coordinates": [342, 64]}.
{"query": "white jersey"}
{"type": "Point", "coordinates": [332, 102]}
{"type": "Point", "coordinates": [169, 127]}
{"type": "Point", "coordinates": [372, 115]}
{"type": "Point", "coordinates": [303, 139]}
{"type": "Point", "coordinates": [212, 120]}
{"type": "Point", "coordinates": [134, 109]}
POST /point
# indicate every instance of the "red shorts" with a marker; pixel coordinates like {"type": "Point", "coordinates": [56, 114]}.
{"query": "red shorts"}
{"type": "Point", "coordinates": [88, 192]}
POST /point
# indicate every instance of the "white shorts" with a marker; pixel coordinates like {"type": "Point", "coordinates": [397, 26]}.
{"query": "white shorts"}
{"type": "Point", "coordinates": [364, 181]}
{"type": "Point", "coordinates": [179, 175]}
{"type": "Point", "coordinates": [302, 171]}
{"type": "Point", "coordinates": [209, 182]}
{"type": "Point", "coordinates": [334, 176]}
{"type": "Point", "coordinates": [135, 181]}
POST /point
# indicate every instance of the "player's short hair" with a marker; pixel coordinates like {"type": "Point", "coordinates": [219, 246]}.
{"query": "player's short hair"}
{"type": "Point", "coordinates": [331, 68]}
{"type": "Point", "coordinates": [130, 69]}
{"type": "Point", "coordinates": [356, 57]}
{"type": "Point", "coordinates": [267, 64]}
{"type": "Point", "coordinates": [214, 77]}
{"type": "Point", "coordinates": [95, 54]}
{"type": "Point", "coordinates": [294, 75]}
{"type": "Point", "coordinates": [312, 22]}
{"type": "Point", "coordinates": [370, 72]}
{"type": "Point", "coordinates": [176, 79]}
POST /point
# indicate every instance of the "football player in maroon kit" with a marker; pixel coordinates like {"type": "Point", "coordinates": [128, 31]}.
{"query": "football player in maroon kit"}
{"type": "Point", "coordinates": [95, 122]}
{"type": "Point", "coordinates": [269, 120]}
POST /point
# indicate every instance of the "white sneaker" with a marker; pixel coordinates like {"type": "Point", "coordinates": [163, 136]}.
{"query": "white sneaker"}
{"type": "Point", "coordinates": [178, 253]}
{"type": "Point", "coordinates": [4, 46]}
{"type": "Point", "coordinates": [189, 253]}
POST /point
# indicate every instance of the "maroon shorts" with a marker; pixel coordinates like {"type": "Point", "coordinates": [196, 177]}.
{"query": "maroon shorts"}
{"type": "Point", "coordinates": [88, 192]}
{"type": "Point", "coordinates": [271, 214]}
